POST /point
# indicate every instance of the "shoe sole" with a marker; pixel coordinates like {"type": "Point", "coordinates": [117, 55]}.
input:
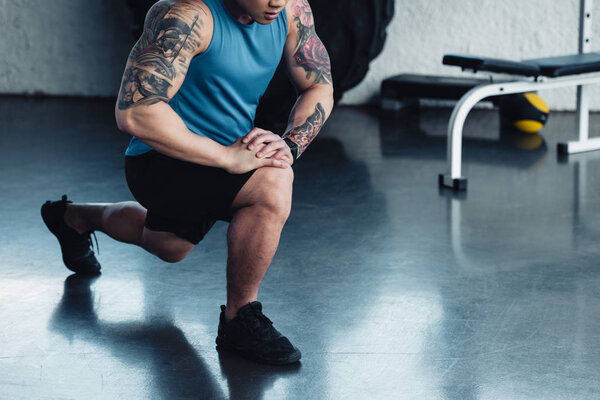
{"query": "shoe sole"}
{"type": "Point", "coordinates": [222, 345]}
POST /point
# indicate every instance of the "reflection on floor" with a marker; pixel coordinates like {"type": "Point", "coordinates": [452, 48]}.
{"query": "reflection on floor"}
{"type": "Point", "coordinates": [392, 288]}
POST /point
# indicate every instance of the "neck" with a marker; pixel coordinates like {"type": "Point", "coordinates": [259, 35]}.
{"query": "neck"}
{"type": "Point", "coordinates": [237, 12]}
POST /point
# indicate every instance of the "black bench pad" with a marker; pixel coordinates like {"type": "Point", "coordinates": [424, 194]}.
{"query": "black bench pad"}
{"type": "Point", "coordinates": [552, 66]}
{"type": "Point", "coordinates": [568, 65]}
{"type": "Point", "coordinates": [492, 65]}
{"type": "Point", "coordinates": [427, 86]}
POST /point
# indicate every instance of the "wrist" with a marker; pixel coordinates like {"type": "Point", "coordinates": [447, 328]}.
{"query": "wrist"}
{"type": "Point", "coordinates": [293, 147]}
{"type": "Point", "coordinates": [224, 158]}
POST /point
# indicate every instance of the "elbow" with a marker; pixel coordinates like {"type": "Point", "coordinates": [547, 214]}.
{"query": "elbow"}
{"type": "Point", "coordinates": [123, 120]}
{"type": "Point", "coordinates": [324, 92]}
{"type": "Point", "coordinates": [328, 93]}
{"type": "Point", "coordinates": [328, 96]}
{"type": "Point", "coordinates": [126, 121]}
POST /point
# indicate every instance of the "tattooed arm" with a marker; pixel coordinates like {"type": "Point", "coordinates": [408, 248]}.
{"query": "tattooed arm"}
{"type": "Point", "coordinates": [309, 70]}
{"type": "Point", "coordinates": [174, 32]}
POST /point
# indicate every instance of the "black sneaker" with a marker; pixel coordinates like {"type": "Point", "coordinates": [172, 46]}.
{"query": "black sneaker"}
{"type": "Point", "coordinates": [251, 335]}
{"type": "Point", "coordinates": [77, 249]}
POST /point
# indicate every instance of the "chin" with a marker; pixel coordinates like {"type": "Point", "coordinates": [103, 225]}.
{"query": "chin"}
{"type": "Point", "coordinates": [264, 21]}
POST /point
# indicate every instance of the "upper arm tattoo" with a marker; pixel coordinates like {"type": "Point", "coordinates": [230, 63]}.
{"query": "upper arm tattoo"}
{"type": "Point", "coordinates": [310, 54]}
{"type": "Point", "coordinates": [162, 55]}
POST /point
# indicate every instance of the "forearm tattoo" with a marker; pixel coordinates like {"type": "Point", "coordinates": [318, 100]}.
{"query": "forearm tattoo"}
{"type": "Point", "coordinates": [303, 134]}
{"type": "Point", "coordinates": [310, 53]}
{"type": "Point", "coordinates": [161, 56]}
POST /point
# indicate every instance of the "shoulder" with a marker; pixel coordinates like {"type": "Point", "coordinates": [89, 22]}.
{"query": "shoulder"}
{"type": "Point", "coordinates": [184, 9]}
{"type": "Point", "coordinates": [188, 17]}
{"type": "Point", "coordinates": [298, 14]}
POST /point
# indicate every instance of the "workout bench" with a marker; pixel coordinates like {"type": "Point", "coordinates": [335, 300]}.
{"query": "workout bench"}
{"type": "Point", "coordinates": [579, 70]}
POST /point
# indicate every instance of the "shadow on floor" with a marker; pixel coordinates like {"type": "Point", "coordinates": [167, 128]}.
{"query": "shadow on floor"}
{"type": "Point", "coordinates": [174, 367]}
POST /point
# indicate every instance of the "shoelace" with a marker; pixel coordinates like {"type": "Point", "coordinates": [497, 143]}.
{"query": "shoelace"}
{"type": "Point", "coordinates": [260, 326]}
{"type": "Point", "coordinates": [92, 243]}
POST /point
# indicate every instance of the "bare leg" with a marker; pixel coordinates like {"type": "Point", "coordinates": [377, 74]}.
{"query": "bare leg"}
{"type": "Point", "coordinates": [125, 222]}
{"type": "Point", "coordinates": [121, 221]}
{"type": "Point", "coordinates": [262, 207]}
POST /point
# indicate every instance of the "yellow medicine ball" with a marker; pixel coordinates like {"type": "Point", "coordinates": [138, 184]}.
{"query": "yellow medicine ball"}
{"type": "Point", "coordinates": [525, 112]}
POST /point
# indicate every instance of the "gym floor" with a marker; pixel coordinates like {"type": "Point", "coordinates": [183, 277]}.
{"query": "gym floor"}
{"type": "Point", "coordinates": [392, 288]}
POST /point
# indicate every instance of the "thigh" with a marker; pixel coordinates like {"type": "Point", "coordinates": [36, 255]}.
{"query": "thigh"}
{"type": "Point", "coordinates": [178, 189]}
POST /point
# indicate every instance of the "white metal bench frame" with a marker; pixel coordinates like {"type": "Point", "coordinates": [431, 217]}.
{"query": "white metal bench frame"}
{"type": "Point", "coordinates": [453, 177]}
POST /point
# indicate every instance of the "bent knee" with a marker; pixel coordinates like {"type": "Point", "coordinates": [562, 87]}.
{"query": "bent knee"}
{"type": "Point", "coordinates": [166, 246]}
{"type": "Point", "coordinates": [281, 178]}
{"type": "Point", "coordinates": [269, 190]}
{"type": "Point", "coordinates": [170, 256]}
{"type": "Point", "coordinates": [276, 193]}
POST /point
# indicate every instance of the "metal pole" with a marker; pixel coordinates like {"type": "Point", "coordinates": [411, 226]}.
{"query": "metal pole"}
{"type": "Point", "coordinates": [585, 26]}
{"type": "Point", "coordinates": [585, 46]}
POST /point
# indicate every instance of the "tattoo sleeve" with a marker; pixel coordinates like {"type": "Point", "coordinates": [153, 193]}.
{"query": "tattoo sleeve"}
{"type": "Point", "coordinates": [303, 134]}
{"type": "Point", "coordinates": [159, 60]}
{"type": "Point", "coordinates": [310, 54]}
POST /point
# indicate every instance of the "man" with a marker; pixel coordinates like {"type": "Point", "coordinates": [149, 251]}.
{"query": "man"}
{"type": "Point", "coordinates": [188, 97]}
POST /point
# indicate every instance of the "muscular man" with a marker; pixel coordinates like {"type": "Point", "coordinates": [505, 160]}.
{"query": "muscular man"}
{"type": "Point", "coordinates": [188, 97]}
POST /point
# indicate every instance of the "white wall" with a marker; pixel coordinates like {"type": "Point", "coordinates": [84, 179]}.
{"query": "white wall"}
{"type": "Point", "coordinates": [63, 47]}
{"type": "Point", "coordinates": [79, 47]}
{"type": "Point", "coordinates": [422, 31]}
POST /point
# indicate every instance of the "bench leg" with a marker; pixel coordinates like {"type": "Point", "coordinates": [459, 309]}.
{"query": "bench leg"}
{"type": "Point", "coordinates": [583, 126]}
{"type": "Point", "coordinates": [453, 177]}
{"type": "Point", "coordinates": [456, 184]}
{"type": "Point", "coordinates": [579, 146]}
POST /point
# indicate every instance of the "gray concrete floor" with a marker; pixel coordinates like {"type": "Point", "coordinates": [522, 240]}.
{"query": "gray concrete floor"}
{"type": "Point", "coordinates": [392, 288]}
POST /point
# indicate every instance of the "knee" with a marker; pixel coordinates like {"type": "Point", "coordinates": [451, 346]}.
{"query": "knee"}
{"type": "Point", "coordinates": [166, 246]}
{"type": "Point", "coordinates": [171, 256]}
{"type": "Point", "coordinates": [276, 193]}
{"type": "Point", "coordinates": [173, 251]}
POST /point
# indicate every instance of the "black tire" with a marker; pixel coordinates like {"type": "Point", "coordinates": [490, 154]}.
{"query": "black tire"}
{"type": "Point", "coordinates": [354, 33]}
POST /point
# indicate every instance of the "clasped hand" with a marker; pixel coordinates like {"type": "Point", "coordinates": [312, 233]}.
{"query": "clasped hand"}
{"type": "Point", "coordinates": [259, 148]}
{"type": "Point", "coordinates": [268, 145]}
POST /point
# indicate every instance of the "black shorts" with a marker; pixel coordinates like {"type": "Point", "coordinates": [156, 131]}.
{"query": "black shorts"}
{"type": "Point", "coordinates": [182, 197]}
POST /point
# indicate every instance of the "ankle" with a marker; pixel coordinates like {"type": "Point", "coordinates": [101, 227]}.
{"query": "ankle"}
{"type": "Point", "coordinates": [230, 314]}
{"type": "Point", "coordinates": [74, 220]}
{"type": "Point", "coordinates": [232, 308]}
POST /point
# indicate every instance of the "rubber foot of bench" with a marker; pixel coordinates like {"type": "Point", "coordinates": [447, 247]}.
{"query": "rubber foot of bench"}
{"type": "Point", "coordinates": [562, 148]}
{"type": "Point", "coordinates": [456, 184]}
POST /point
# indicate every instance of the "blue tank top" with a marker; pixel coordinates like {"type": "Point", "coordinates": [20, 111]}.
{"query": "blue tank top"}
{"type": "Point", "coordinates": [220, 93]}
